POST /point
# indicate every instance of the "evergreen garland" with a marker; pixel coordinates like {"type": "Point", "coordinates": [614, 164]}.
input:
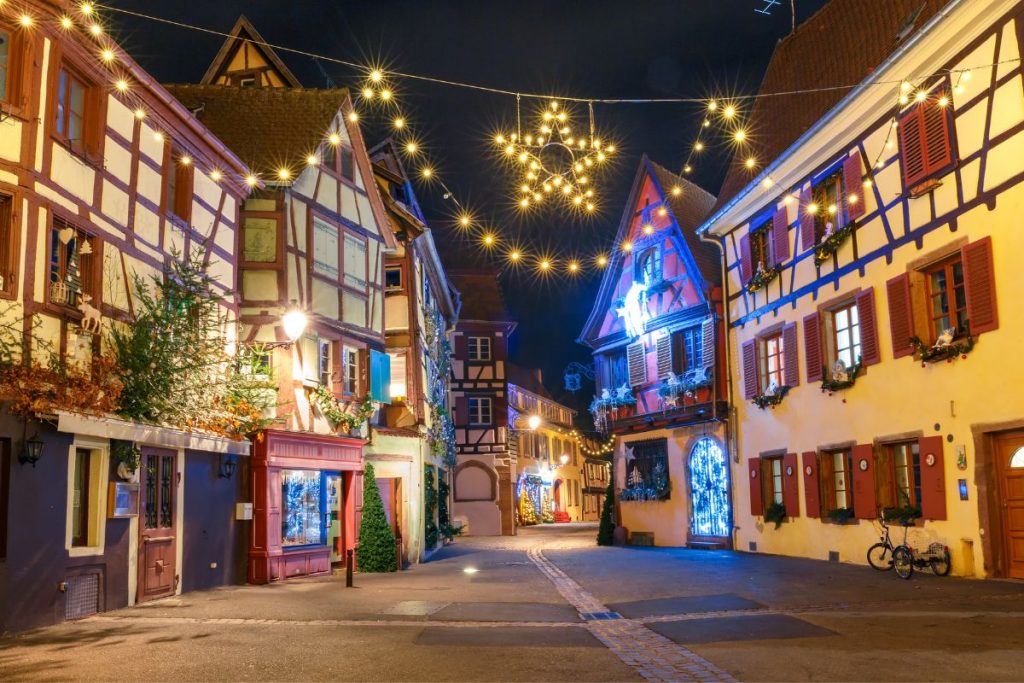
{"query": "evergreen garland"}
{"type": "Point", "coordinates": [429, 507]}
{"type": "Point", "coordinates": [606, 529]}
{"type": "Point", "coordinates": [775, 513]}
{"type": "Point", "coordinates": [376, 551]}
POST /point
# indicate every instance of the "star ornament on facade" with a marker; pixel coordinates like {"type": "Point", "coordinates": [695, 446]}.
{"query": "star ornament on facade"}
{"type": "Point", "coordinates": [555, 163]}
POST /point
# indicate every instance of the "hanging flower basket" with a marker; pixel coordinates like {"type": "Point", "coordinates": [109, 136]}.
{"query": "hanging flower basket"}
{"type": "Point", "coordinates": [762, 277]}
{"type": "Point", "coordinates": [775, 513]}
{"type": "Point", "coordinates": [948, 352]}
{"type": "Point", "coordinates": [830, 245]}
{"type": "Point", "coordinates": [839, 380]}
{"type": "Point", "coordinates": [770, 400]}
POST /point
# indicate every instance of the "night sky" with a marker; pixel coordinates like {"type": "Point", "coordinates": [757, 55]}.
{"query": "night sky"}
{"type": "Point", "coordinates": [667, 48]}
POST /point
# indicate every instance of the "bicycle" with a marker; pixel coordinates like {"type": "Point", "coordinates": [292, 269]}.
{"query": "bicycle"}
{"type": "Point", "coordinates": [880, 555]}
{"type": "Point", "coordinates": [904, 558]}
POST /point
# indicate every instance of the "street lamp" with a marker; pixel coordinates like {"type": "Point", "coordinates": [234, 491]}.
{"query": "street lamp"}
{"type": "Point", "coordinates": [564, 459]}
{"type": "Point", "coordinates": [533, 422]}
{"type": "Point", "coordinates": [294, 321]}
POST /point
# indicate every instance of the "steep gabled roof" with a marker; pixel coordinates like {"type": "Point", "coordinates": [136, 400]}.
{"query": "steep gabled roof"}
{"type": "Point", "coordinates": [527, 378]}
{"type": "Point", "coordinates": [244, 32]}
{"type": "Point", "coordinates": [689, 208]}
{"type": "Point", "coordinates": [266, 127]}
{"type": "Point", "coordinates": [840, 45]}
{"type": "Point", "coordinates": [482, 300]}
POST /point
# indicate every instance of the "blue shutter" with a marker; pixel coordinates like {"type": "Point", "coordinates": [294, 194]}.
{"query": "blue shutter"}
{"type": "Point", "coordinates": [380, 376]}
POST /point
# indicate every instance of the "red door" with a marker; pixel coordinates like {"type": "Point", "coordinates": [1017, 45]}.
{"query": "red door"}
{"type": "Point", "coordinates": [158, 576]}
{"type": "Point", "coordinates": [1010, 459]}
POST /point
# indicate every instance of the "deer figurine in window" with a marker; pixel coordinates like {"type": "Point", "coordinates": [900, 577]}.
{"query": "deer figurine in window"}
{"type": "Point", "coordinates": [90, 315]}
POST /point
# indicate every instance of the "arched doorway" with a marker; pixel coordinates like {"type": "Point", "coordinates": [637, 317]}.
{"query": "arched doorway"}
{"type": "Point", "coordinates": [709, 490]}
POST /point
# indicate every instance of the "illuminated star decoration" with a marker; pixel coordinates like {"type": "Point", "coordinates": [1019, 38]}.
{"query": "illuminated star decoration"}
{"type": "Point", "coordinates": [555, 161]}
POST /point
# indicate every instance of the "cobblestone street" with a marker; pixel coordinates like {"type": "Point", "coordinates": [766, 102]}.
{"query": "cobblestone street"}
{"type": "Point", "coordinates": [548, 605]}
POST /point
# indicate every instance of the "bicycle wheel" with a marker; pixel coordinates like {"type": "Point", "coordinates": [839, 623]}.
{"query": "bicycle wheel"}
{"type": "Point", "coordinates": [879, 557]}
{"type": "Point", "coordinates": [940, 566]}
{"type": "Point", "coordinates": [903, 561]}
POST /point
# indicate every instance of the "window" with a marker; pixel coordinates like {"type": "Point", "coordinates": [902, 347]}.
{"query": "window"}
{"type": "Point", "coordinates": [926, 140]}
{"type": "Point", "coordinates": [393, 279]}
{"type": "Point", "coordinates": [614, 372]}
{"type": "Point", "coordinates": [80, 500]}
{"type": "Point", "coordinates": [355, 262]}
{"type": "Point", "coordinates": [325, 248]}
{"type": "Point", "coordinates": [846, 335]}
{"type": "Point", "coordinates": [397, 388]}
{"type": "Point", "coordinates": [324, 362]}
{"type": "Point", "coordinates": [773, 361]}
{"type": "Point", "coordinates": [647, 471]}
{"type": "Point", "coordinates": [649, 267]}
{"type": "Point", "coordinates": [480, 411]}
{"type": "Point", "coordinates": [827, 196]}
{"type": "Point", "coordinates": [836, 469]}
{"type": "Point", "coordinates": [8, 246]}
{"type": "Point", "coordinates": [350, 371]}
{"type": "Point", "coordinates": [771, 478]}
{"type": "Point", "coordinates": [247, 82]}
{"type": "Point", "coordinates": [74, 266]}
{"type": "Point", "coordinates": [348, 164]}
{"type": "Point", "coordinates": [687, 349]}
{"type": "Point", "coordinates": [70, 115]}
{"type": "Point", "coordinates": [947, 298]}
{"type": "Point", "coordinates": [259, 236]}
{"type": "Point", "coordinates": [479, 348]}
{"type": "Point", "coordinates": [179, 186]}
{"type": "Point", "coordinates": [5, 63]}
{"type": "Point", "coordinates": [302, 510]}
{"type": "Point", "coordinates": [86, 503]}
{"type": "Point", "coordinates": [760, 252]}
{"type": "Point", "coordinates": [898, 474]}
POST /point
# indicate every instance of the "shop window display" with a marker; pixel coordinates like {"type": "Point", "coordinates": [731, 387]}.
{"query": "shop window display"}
{"type": "Point", "coordinates": [302, 509]}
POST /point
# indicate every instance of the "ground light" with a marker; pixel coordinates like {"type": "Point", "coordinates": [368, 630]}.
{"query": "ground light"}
{"type": "Point", "coordinates": [470, 570]}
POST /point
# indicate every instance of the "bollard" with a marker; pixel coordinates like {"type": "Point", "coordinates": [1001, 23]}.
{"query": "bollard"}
{"type": "Point", "coordinates": [349, 561]}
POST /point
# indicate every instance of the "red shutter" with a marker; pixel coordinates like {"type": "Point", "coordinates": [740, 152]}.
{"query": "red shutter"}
{"type": "Point", "coordinates": [812, 347]}
{"type": "Point", "coordinates": [853, 187]}
{"type": "Point", "coordinates": [749, 357]}
{"type": "Point", "coordinates": [746, 270]}
{"type": "Point", "coordinates": [933, 477]}
{"type": "Point", "coordinates": [791, 485]}
{"type": "Point", "coordinates": [911, 140]}
{"type": "Point", "coordinates": [869, 350]}
{"type": "Point", "coordinates": [780, 235]}
{"type": "Point", "coordinates": [461, 346]}
{"type": "Point", "coordinates": [811, 489]}
{"type": "Point", "coordinates": [864, 504]}
{"type": "Point", "coordinates": [461, 411]}
{"type": "Point", "coordinates": [754, 478]}
{"type": "Point", "coordinates": [901, 320]}
{"type": "Point", "coordinates": [806, 221]}
{"type": "Point", "coordinates": [938, 147]}
{"type": "Point", "coordinates": [979, 276]}
{"type": "Point", "coordinates": [500, 347]}
{"type": "Point", "coordinates": [790, 356]}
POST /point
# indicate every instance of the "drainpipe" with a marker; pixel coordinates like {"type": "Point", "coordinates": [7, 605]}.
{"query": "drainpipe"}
{"type": "Point", "coordinates": [727, 421]}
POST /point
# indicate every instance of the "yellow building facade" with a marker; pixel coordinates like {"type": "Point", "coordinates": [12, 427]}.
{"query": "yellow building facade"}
{"type": "Point", "coordinates": [871, 292]}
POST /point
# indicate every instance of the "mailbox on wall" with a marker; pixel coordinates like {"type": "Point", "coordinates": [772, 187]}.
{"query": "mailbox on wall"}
{"type": "Point", "coordinates": [123, 499]}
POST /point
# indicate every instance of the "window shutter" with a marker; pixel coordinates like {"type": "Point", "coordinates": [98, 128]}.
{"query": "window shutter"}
{"type": "Point", "coordinates": [933, 478]}
{"type": "Point", "coordinates": [756, 495]}
{"type": "Point", "coordinates": [979, 276]}
{"type": "Point", "coordinates": [935, 124]}
{"type": "Point", "coordinates": [812, 346]}
{"type": "Point", "coordinates": [791, 485]}
{"type": "Point", "coordinates": [750, 384]}
{"type": "Point", "coordinates": [707, 340]}
{"type": "Point", "coordinates": [790, 356]}
{"type": "Point", "coordinates": [499, 347]}
{"type": "Point", "coordinates": [380, 376]}
{"type": "Point", "coordinates": [637, 360]}
{"type": "Point", "coordinates": [461, 346]}
{"type": "Point", "coordinates": [864, 504]}
{"type": "Point", "coordinates": [780, 235]}
{"type": "Point", "coordinates": [901, 320]}
{"type": "Point", "coordinates": [910, 136]}
{"type": "Point", "coordinates": [852, 186]}
{"type": "Point", "coordinates": [806, 220]}
{"type": "Point", "coordinates": [826, 483]}
{"type": "Point", "coordinates": [869, 350]}
{"type": "Point", "coordinates": [95, 123]}
{"type": "Point", "coordinates": [461, 411]}
{"type": "Point", "coordinates": [810, 477]}
{"type": "Point", "coordinates": [663, 347]}
{"type": "Point", "coordinates": [746, 269]}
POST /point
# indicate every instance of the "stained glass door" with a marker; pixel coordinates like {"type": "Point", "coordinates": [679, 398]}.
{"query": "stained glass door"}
{"type": "Point", "coordinates": [709, 490]}
{"type": "Point", "coordinates": [158, 548]}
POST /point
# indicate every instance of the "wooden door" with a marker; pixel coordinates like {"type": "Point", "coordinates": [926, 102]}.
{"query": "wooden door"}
{"type": "Point", "coordinates": [1010, 459]}
{"type": "Point", "coordinates": [158, 543]}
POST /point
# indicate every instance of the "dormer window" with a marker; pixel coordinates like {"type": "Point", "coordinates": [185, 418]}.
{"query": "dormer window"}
{"type": "Point", "coordinates": [648, 267]}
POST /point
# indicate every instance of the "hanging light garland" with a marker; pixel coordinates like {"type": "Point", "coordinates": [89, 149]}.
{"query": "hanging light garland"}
{"type": "Point", "coordinates": [378, 89]}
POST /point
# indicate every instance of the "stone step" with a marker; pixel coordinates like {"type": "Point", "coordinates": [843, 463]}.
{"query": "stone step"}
{"type": "Point", "coordinates": [706, 545]}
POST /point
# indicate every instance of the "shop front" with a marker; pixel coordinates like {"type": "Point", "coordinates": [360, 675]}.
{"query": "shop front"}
{"type": "Point", "coordinates": [307, 497]}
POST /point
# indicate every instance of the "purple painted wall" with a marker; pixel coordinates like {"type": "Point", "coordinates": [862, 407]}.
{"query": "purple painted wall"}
{"type": "Point", "coordinates": [212, 535]}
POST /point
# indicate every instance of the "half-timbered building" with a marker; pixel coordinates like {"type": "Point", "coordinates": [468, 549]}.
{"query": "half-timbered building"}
{"type": "Point", "coordinates": [104, 177]}
{"type": "Point", "coordinates": [870, 278]}
{"type": "Point", "coordinates": [654, 330]}
{"type": "Point", "coordinates": [484, 477]}
{"type": "Point", "coordinates": [312, 237]}
{"type": "Point", "coordinates": [412, 447]}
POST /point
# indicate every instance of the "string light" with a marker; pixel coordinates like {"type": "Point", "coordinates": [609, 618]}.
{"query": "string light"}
{"type": "Point", "coordinates": [411, 147]}
{"type": "Point", "coordinates": [334, 139]}
{"type": "Point", "coordinates": [399, 123]}
{"type": "Point", "coordinates": [86, 8]}
{"type": "Point", "coordinates": [140, 114]}
{"type": "Point", "coordinates": [312, 160]}
{"type": "Point", "coordinates": [427, 172]}
{"type": "Point", "coordinates": [489, 239]}
{"type": "Point", "coordinates": [96, 29]}
{"type": "Point", "coordinates": [602, 261]}
{"type": "Point", "coordinates": [185, 160]}
{"type": "Point", "coordinates": [121, 85]}
{"type": "Point", "coordinates": [107, 55]}
{"type": "Point", "coordinates": [216, 175]}
{"type": "Point", "coordinates": [66, 22]}
{"type": "Point", "coordinates": [353, 116]}
{"type": "Point", "coordinates": [574, 267]}
{"type": "Point", "coordinates": [26, 21]}
{"type": "Point", "coordinates": [740, 135]}
{"type": "Point", "coordinates": [465, 221]}
{"type": "Point", "coordinates": [251, 180]}
{"type": "Point", "coordinates": [376, 76]}
{"type": "Point", "coordinates": [514, 256]}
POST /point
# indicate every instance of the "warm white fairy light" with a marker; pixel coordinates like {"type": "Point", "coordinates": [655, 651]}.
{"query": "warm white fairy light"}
{"type": "Point", "coordinates": [66, 23]}
{"type": "Point", "coordinates": [252, 180]}
{"type": "Point", "coordinates": [312, 160]}
{"type": "Point", "coordinates": [353, 116]}
{"type": "Point", "coordinates": [26, 21]}
{"type": "Point", "coordinates": [96, 29]}
{"type": "Point", "coordinates": [107, 55]}
{"type": "Point", "coordinates": [121, 85]}
{"type": "Point", "coordinates": [86, 8]}
{"type": "Point", "coordinates": [427, 172]}
{"type": "Point", "coordinates": [140, 113]}
{"type": "Point", "coordinates": [334, 139]}
{"type": "Point", "coordinates": [216, 175]}
{"type": "Point", "coordinates": [411, 147]}
{"type": "Point", "coordinates": [185, 160]}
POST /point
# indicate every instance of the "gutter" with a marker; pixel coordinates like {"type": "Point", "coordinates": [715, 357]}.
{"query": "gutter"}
{"type": "Point", "coordinates": [830, 115]}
